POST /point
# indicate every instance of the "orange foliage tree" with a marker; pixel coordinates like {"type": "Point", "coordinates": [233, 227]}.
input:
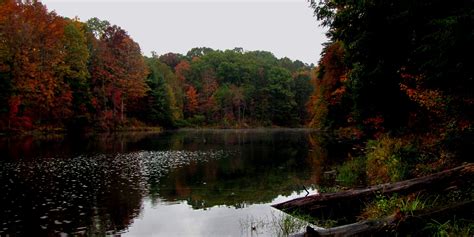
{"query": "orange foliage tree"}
{"type": "Point", "coordinates": [118, 74]}
{"type": "Point", "coordinates": [32, 55]}
{"type": "Point", "coordinates": [191, 103]}
{"type": "Point", "coordinates": [181, 70]}
{"type": "Point", "coordinates": [131, 68]}
{"type": "Point", "coordinates": [326, 106]}
{"type": "Point", "coordinates": [207, 101]}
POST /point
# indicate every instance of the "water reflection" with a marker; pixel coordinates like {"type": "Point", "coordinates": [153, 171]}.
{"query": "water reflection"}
{"type": "Point", "coordinates": [98, 185]}
{"type": "Point", "coordinates": [83, 195]}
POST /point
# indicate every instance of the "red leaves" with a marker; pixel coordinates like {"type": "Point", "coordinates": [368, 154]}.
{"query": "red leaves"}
{"type": "Point", "coordinates": [14, 103]}
{"type": "Point", "coordinates": [32, 39]}
{"type": "Point", "coordinates": [432, 100]}
{"type": "Point", "coordinates": [209, 87]}
{"type": "Point", "coordinates": [47, 57]}
{"type": "Point", "coordinates": [182, 69]}
{"type": "Point", "coordinates": [17, 121]}
{"type": "Point", "coordinates": [118, 73]}
{"type": "Point", "coordinates": [329, 83]}
{"type": "Point", "coordinates": [191, 104]}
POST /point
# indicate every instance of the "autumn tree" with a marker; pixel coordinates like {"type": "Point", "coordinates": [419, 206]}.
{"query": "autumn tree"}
{"type": "Point", "coordinates": [329, 106]}
{"type": "Point", "coordinates": [408, 65]}
{"type": "Point", "coordinates": [207, 102]}
{"type": "Point", "coordinates": [59, 71]}
{"type": "Point", "coordinates": [384, 39]}
{"type": "Point", "coordinates": [102, 68]}
{"type": "Point", "coordinates": [32, 57]}
{"type": "Point", "coordinates": [375, 42]}
{"type": "Point", "coordinates": [131, 65]}
{"type": "Point", "coordinates": [239, 87]}
{"type": "Point", "coordinates": [5, 66]}
{"type": "Point", "coordinates": [182, 70]}
{"type": "Point", "coordinates": [118, 72]}
{"type": "Point", "coordinates": [171, 59]}
{"type": "Point", "coordinates": [191, 101]}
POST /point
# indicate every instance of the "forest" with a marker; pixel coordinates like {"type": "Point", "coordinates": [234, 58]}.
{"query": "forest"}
{"type": "Point", "coordinates": [398, 73]}
{"type": "Point", "coordinates": [388, 72]}
{"type": "Point", "coordinates": [394, 82]}
{"type": "Point", "coordinates": [396, 79]}
{"type": "Point", "coordinates": [64, 74]}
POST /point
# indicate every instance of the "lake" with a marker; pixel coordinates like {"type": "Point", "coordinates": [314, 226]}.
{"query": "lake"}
{"type": "Point", "coordinates": [178, 183]}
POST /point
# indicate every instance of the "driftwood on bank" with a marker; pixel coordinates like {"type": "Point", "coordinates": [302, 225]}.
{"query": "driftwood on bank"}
{"type": "Point", "coordinates": [331, 204]}
{"type": "Point", "coordinates": [463, 210]}
{"type": "Point", "coordinates": [399, 224]}
{"type": "Point", "coordinates": [351, 201]}
{"type": "Point", "coordinates": [360, 228]}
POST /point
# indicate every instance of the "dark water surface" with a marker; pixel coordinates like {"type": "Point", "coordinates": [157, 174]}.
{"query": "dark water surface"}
{"type": "Point", "coordinates": [183, 183]}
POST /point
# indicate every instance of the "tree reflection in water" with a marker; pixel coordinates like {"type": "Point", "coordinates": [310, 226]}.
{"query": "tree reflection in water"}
{"type": "Point", "coordinates": [101, 194]}
{"type": "Point", "coordinates": [84, 195]}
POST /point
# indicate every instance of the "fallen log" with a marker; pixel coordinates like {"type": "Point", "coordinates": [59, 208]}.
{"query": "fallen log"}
{"type": "Point", "coordinates": [355, 229]}
{"type": "Point", "coordinates": [462, 210]}
{"type": "Point", "coordinates": [407, 225]}
{"type": "Point", "coordinates": [333, 204]}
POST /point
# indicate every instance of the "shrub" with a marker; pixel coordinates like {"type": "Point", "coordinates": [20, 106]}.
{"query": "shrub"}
{"type": "Point", "coordinates": [352, 172]}
{"type": "Point", "coordinates": [388, 159]}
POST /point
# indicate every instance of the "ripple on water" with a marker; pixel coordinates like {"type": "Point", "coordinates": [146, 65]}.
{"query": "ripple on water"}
{"type": "Point", "coordinates": [67, 195]}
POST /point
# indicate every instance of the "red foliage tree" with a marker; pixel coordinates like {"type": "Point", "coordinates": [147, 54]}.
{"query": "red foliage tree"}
{"type": "Point", "coordinates": [325, 104]}
{"type": "Point", "coordinates": [182, 69]}
{"type": "Point", "coordinates": [32, 55]}
{"type": "Point", "coordinates": [118, 73]}
{"type": "Point", "coordinates": [191, 102]}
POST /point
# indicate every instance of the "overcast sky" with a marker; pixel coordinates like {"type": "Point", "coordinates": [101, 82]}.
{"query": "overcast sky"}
{"type": "Point", "coordinates": [285, 28]}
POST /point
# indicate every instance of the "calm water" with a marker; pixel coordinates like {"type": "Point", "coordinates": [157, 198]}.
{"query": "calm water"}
{"type": "Point", "coordinates": [184, 183]}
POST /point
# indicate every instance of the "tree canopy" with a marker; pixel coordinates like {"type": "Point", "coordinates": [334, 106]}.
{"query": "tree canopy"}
{"type": "Point", "coordinates": [62, 73]}
{"type": "Point", "coordinates": [396, 66]}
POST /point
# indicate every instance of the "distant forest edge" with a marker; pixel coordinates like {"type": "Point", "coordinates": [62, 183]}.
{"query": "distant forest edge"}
{"type": "Point", "coordinates": [397, 69]}
{"type": "Point", "coordinates": [63, 74]}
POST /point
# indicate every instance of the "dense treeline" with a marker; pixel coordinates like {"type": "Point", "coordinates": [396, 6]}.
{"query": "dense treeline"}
{"type": "Point", "coordinates": [227, 88]}
{"type": "Point", "coordinates": [62, 73]}
{"type": "Point", "coordinates": [57, 71]}
{"type": "Point", "coordinates": [396, 81]}
{"type": "Point", "coordinates": [398, 73]}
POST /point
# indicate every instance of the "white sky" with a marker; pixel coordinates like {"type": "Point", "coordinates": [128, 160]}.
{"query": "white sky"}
{"type": "Point", "coordinates": [285, 28]}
